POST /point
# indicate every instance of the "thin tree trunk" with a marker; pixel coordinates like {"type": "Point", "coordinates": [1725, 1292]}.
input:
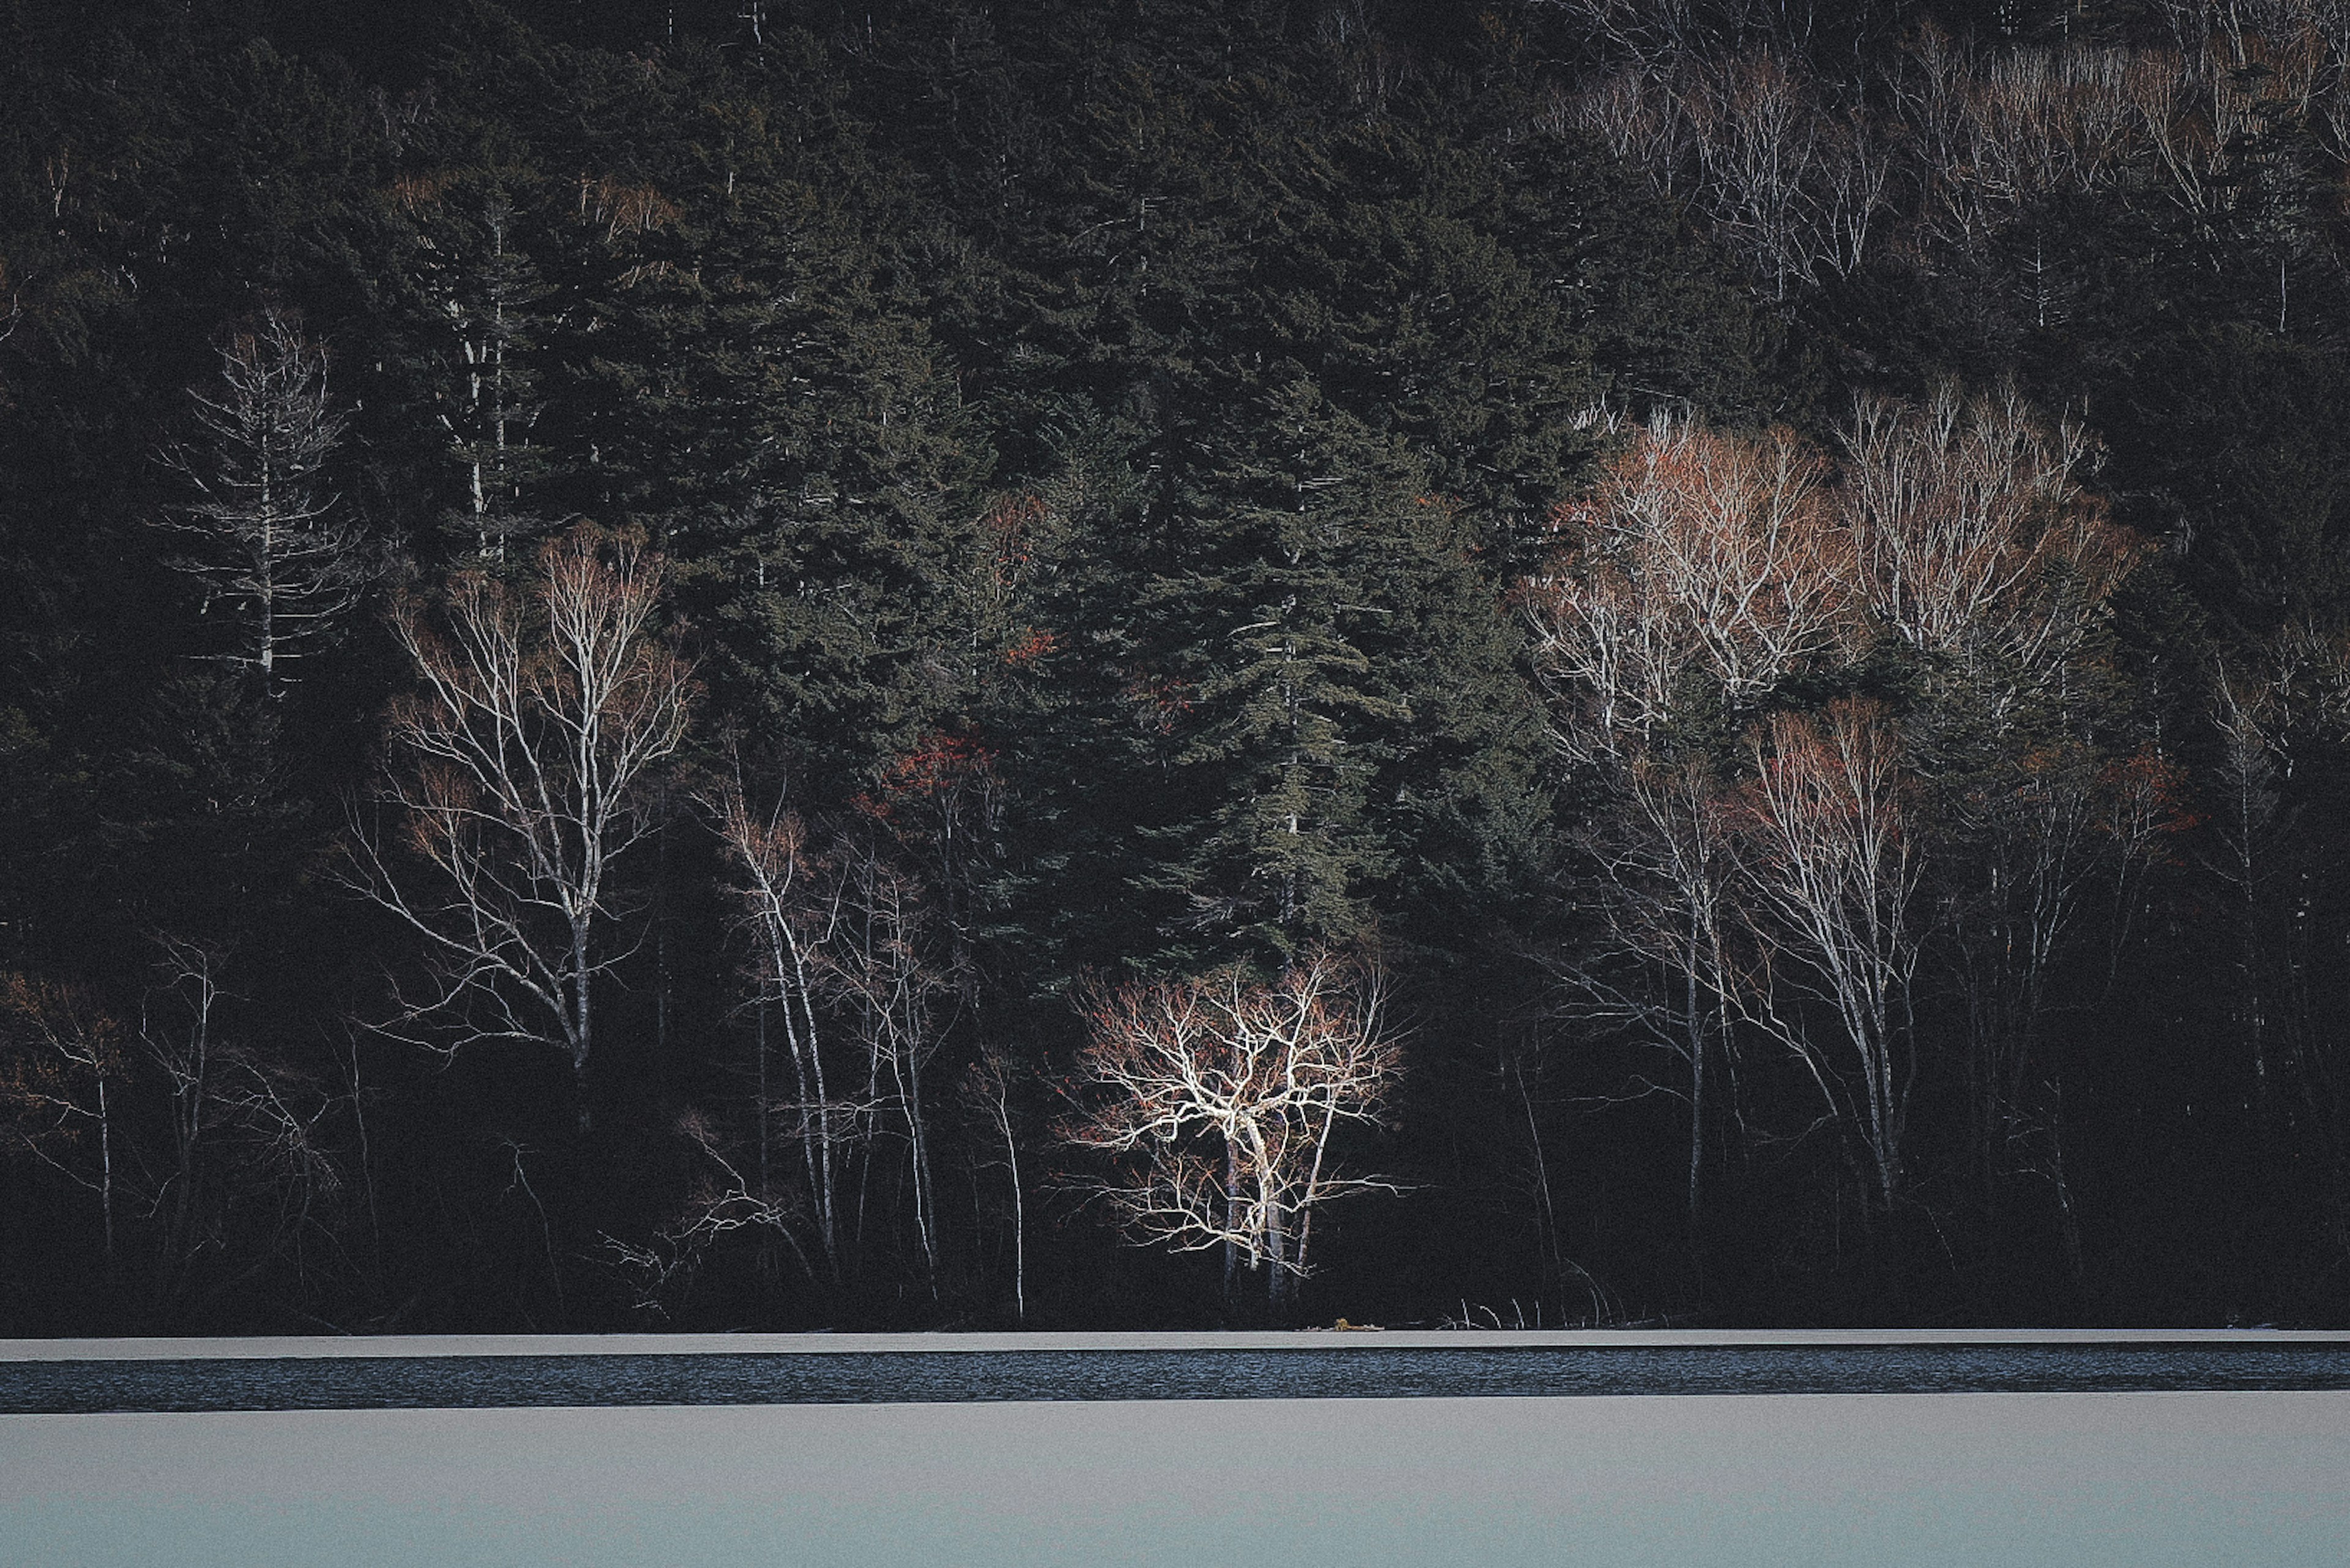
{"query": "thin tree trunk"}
{"type": "Point", "coordinates": [1696, 1027]}
{"type": "Point", "coordinates": [766, 1114]}
{"type": "Point", "coordinates": [582, 1021]}
{"type": "Point", "coordinates": [1019, 1214]}
{"type": "Point", "coordinates": [106, 1171]}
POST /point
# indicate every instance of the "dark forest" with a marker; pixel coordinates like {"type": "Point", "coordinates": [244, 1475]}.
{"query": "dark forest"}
{"type": "Point", "coordinates": [1151, 663]}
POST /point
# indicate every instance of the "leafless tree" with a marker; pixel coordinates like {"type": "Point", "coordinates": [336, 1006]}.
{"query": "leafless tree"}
{"type": "Point", "coordinates": [1701, 572]}
{"type": "Point", "coordinates": [475, 272]}
{"type": "Point", "coordinates": [1216, 1099]}
{"type": "Point", "coordinates": [60, 1056]}
{"type": "Point", "coordinates": [1832, 864]}
{"type": "Point", "coordinates": [1637, 120]}
{"type": "Point", "coordinates": [1978, 546]}
{"type": "Point", "coordinates": [848, 955]}
{"type": "Point", "coordinates": [791, 905]}
{"type": "Point", "coordinates": [882, 976]}
{"type": "Point", "coordinates": [249, 1172]}
{"type": "Point", "coordinates": [1695, 554]}
{"type": "Point", "coordinates": [2247, 709]}
{"type": "Point", "coordinates": [988, 1090]}
{"type": "Point", "coordinates": [2030, 848]}
{"type": "Point", "coordinates": [1694, 578]}
{"type": "Point", "coordinates": [724, 1199]}
{"type": "Point", "coordinates": [1949, 143]}
{"type": "Point", "coordinates": [270, 541]}
{"type": "Point", "coordinates": [1858, 161]}
{"type": "Point", "coordinates": [177, 1031]}
{"type": "Point", "coordinates": [1958, 510]}
{"type": "Point", "coordinates": [1673, 909]}
{"type": "Point", "coordinates": [1650, 33]}
{"type": "Point", "coordinates": [1760, 136]}
{"type": "Point", "coordinates": [520, 779]}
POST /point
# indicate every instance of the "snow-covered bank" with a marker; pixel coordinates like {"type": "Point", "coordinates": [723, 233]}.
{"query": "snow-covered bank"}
{"type": "Point", "coordinates": [2254, 1480]}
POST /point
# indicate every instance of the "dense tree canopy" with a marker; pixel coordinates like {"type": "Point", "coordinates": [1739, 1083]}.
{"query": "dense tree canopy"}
{"type": "Point", "coordinates": [1731, 619]}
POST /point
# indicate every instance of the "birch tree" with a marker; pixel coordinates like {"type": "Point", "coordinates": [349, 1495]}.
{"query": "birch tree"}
{"type": "Point", "coordinates": [1979, 551]}
{"type": "Point", "coordinates": [987, 1091]}
{"type": "Point", "coordinates": [521, 778]}
{"type": "Point", "coordinates": [1829, 856]}
{"type": "Point", "coordinates": [790, 916]}
{"type": "Point", "coordinates": [1959, 509]}
{"type": "Point", "coordinates": [883, 978]}
{"type": "Point", "coordinates": [850, 958]}
{"type": "Point", "coordinates": [1699, 574]}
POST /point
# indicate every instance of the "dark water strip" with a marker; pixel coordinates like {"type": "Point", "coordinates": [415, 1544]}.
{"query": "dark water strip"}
{"type": "Point", "coordinates": [847, 1377]}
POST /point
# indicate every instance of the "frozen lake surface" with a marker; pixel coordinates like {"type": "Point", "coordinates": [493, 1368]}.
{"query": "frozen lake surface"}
{"type": "Point", "coordinates": [2197, 1476]}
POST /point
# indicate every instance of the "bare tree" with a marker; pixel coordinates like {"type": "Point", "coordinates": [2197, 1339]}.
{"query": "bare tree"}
{"type": "Point", "coordinates": [2037, 833]}
{"type": "Point", "coordinates": [1698, 575]}
{"type": "Point", "coordinates": [882, 976]}
{"type": "Point", "coordinates": [269, 541]}
{"type": "Point", "coordinates": [60, 1053]}
{"type": "Point", "coordinates": [2250, 711]}
{"type": "Point", "coordinates": [850, 956]}
{"type": "Point", "coordinates": [1979, 548]}
{"type": "Point", "coordinates": [248, 1179]}
{"type": "Point", "coordinates": [724, 1199]}
{"type": "Point", "coordinates": [1947, 143]}
{"type": "Point", "coordinates": [1216, 1099]}
{"type": "Point", "coordinates": [1959, 509]}
{"type": "Point", "coordinates": [1696, 555]}
{"type": "Point", "coordinates": [988, 1090]}
{"type": "Point", "coordinates": [176, 1029]}
{"type": "Point", "coordinates": [475, 273]}
{"type": "Point", "coordinates": [1829, 857]}
{"type": "Point", "coordinates": [1760, 139]}
{"type": "Point", "coordinates": [523, 762]}
{"type": "Point", "coordinates": [792, 909]}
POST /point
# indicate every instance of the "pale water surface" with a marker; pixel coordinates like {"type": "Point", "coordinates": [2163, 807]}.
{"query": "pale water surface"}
{"type": "Point", "coordinates": [2255, 1478]}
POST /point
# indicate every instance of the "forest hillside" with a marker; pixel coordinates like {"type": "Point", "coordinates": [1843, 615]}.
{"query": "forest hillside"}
{"type": "Point", "coordinates": [1133, 663]}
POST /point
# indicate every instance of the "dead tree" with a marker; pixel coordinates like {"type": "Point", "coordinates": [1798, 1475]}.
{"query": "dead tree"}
{"type": "Point", "coordinates": [269, 541]}
{"type": "Point", "coordinates": [520, 779]}
{"type": "Point", "coordinates": [1215, 1100]}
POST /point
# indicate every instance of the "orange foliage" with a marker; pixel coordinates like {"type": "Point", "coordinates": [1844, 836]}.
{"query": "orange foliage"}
{"type": "Point", "coordinates": [1035, 645]}
{"type": "Point", "coordinates": [1162, 701]}
{"type": "Point", "coordinates": [939, 764]}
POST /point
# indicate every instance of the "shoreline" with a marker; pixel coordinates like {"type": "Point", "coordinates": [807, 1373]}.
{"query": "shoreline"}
{"type": "Point", "coordinates": [280, 1348]}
